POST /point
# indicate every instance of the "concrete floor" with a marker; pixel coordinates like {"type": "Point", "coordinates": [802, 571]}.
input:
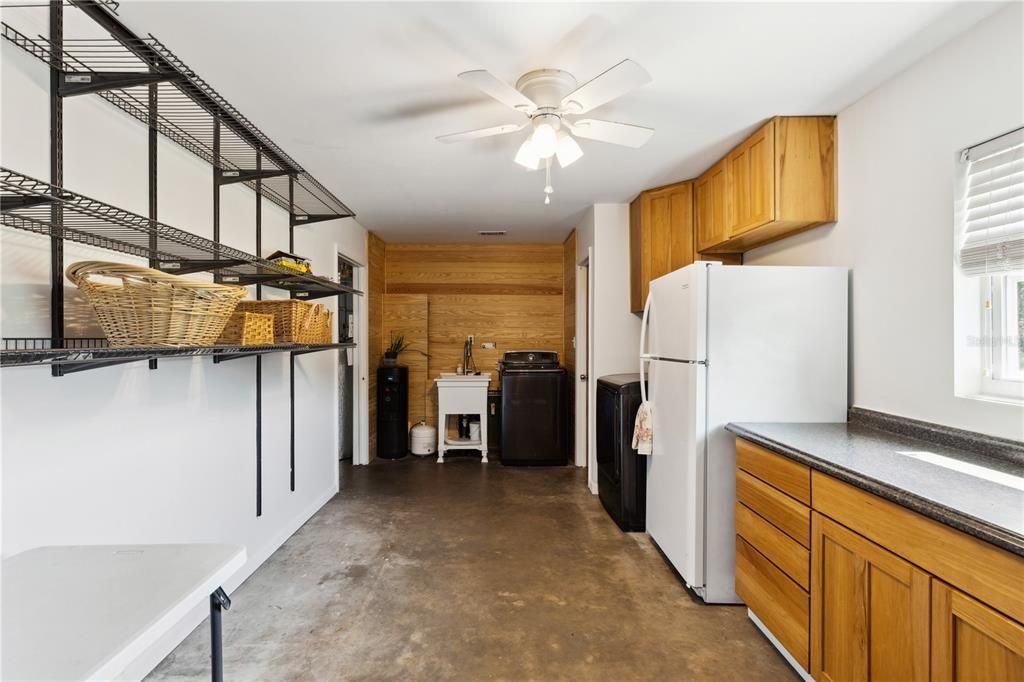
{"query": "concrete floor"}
{"type": "Point", "coordinates": [465, 571]}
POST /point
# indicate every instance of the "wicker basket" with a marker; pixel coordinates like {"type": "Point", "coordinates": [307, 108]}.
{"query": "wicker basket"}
{"type": "Point", "coordinates": [294, 321]}
{"type": "Point", "coordinates": [152, 308]}
{"type": "Point", "coordinates": [248, 329]}
{"type": "Point", "coordinates": [318, 326]}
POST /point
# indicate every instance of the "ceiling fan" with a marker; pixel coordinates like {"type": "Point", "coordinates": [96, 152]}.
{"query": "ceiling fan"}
{"type": "Point", "coordinates": [551, 99]}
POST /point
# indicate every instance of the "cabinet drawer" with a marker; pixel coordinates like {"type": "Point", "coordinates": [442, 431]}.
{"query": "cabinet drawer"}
{"type": "Point", "coordinates": [781, 604]}
{"type": "Point", "coordinates": [781, 472]}
{"type": "Point", "coordinates": [779, 548]}
{"type": "Point", "coordinates": [779, 509]}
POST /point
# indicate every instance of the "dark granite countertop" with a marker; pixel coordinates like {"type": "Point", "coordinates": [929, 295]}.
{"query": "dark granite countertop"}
{"type": "Point", "coordinates": [971, 489]}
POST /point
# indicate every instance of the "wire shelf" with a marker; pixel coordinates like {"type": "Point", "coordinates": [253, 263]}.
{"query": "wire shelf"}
{"type": "Point", "coordinates": [186, 110]}
{"type": "Point", "coordinates": [88, 353]}
{"type": "Point", "coordinates": [25, 203]}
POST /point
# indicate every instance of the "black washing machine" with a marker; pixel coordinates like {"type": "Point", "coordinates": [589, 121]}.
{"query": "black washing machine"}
{"type": "Point", "coordinates": [534, 409]}
{"type": "Point", "coordinates": [621, 472]}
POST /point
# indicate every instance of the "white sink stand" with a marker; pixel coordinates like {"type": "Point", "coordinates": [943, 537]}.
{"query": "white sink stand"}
{"type": "Point", "coordinates": [461, 394]}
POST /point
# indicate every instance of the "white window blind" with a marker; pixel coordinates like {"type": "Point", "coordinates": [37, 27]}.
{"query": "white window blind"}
{"type": "Point", "coordinates": [991, 207]}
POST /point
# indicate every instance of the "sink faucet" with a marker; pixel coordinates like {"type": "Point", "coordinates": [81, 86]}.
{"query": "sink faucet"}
{"type": "Point", "coordinates": [467, 356]}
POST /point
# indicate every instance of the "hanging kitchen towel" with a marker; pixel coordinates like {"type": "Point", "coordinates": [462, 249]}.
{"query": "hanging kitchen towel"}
{"type": "Point", "coordinates": [643, 430]}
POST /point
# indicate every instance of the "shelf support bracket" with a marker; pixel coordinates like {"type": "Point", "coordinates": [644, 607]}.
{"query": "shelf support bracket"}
{"type": "Point", "coordinates": [184, 267]}
{"type": "Point", "coordinates": [309, 218]}
{"type": "Point", "coordinates": [84, 82]}
{"type": "Point", "coordinates": [228, 176]}
{"type": "Point", "coordinates": [12, 202]}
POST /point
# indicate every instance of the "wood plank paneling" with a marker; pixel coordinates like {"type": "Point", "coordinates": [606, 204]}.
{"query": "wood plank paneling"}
{"type": "Point", "coordinates": [569, 303]}
{"type": "Point", "coordinates": [376, 266]}
{"type": "Point", "coordinates": [406, 314]}
{"type": "Point", "coordinates": [475, 269]}
{"type": "Point", "coordinates": [510, 294]}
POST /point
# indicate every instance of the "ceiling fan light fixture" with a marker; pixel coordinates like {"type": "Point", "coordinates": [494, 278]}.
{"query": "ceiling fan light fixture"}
{"type": "Point", "coordinates": [568, 150]}
{"type": "Point", "coordinates": [545, 136]}
{"type": "Point", "coordinates": [526, 156]}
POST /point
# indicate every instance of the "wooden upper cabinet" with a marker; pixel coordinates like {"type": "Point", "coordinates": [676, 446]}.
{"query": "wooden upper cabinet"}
{"type": "Point", "coordinates": [711, 207]}
{"type": "Point", "coordinates": [660, 237]}
{"type": "Point", "coordinates": [779, 181]}
{"type": "Point", "coordinates": [751, 172]}
{"type": "Point", "coordinates": [869, 610]}
{"type": "Point", "coordinates": [972, 642]}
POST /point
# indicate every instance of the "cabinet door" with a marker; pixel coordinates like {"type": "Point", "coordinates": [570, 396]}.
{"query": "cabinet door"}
{"type": "Point", "coordinates": [971, 642]}
{"type": "Point", "coordinates": [681, 239]}
{"type": "Point", "coordinates": [751, 168]}
{"type": "Point", "coordinates": [711, 203]}
{"type": "Point", "coordinates": [869, 610]}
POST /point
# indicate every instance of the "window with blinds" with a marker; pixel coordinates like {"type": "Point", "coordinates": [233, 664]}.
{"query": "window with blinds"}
{"type": "Point", "coordinates": [990, 221]}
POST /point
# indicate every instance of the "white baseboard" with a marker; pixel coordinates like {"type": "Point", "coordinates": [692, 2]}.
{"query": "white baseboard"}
{"type": "Point", "coordinates": [804, 675]}
{"type": "Point", "coordinates": [152, 657]}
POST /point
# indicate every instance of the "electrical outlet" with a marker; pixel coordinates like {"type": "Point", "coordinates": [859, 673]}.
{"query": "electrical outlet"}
{"type": "Point", "coordinates": [488, 345]}
{"type": "Point", "coordinates": [471, 339]}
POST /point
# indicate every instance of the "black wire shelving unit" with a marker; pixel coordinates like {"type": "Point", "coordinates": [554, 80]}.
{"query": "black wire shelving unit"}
{"type": "Point", "coordinates": [26, 203]}
{"type": "Point", "coordinates": [91, 353]}
{"type": "Point", "coordinates": [189, 111]}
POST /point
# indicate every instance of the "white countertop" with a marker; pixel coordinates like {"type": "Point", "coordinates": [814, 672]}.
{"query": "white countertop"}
{"type": "Point", "coordinates": [82, 613]}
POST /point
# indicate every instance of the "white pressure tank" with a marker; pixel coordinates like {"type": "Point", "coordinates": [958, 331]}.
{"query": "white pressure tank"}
{"type": "Point", "coordinates": [423, 439]}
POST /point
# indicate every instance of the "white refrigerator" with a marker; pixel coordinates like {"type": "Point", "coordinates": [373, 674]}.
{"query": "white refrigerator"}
{"type": "Point", "coordinates": [723, 344]}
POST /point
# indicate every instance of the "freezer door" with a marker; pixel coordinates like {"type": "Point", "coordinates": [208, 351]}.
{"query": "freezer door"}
{"type": "Point", "coordinates": [678, 310]}
{"type": "Point", "coordinates": [675, 472]}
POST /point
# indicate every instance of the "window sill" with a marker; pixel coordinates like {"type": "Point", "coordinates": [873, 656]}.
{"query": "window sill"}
{"type": "Point", "coordinates": [988, 398]}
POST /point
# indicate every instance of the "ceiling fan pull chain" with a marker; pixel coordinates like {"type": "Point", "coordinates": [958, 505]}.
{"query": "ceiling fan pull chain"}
{"type": "Point", "coordinates": [548, 189]}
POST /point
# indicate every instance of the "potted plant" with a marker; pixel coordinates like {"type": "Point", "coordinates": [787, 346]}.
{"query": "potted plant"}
{"type": "Point", "coordinates": [398, 345]}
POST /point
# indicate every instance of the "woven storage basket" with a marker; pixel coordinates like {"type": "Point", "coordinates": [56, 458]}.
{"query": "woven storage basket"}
{"type": "Point", "coordinates": [248, 329]}
{"type": "Point", "coordinates": [289, 316]}
{"type": "Point", "coordinates": [152, 308]}
{"type": "Point", "coordinates": [318, 326]}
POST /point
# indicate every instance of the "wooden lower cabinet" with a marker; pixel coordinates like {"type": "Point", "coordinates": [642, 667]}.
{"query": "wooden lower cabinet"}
{"type": "Point", "coordinates": [971, 642]}
{"type": "Point", "coordinates": [869, 609]}
{"type": "Point", "coordinates": [893, 596]}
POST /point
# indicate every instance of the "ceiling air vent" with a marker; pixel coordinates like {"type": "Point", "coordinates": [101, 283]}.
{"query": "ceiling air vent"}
{"type": "Point", "coordinates": [492, 233]}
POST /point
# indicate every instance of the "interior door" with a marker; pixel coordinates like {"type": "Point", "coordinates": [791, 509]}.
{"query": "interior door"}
{"type": "Point", "coordinates": [675, 472]}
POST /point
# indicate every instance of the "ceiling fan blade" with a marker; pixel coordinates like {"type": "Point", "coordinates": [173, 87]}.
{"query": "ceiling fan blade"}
{"type": "Point", "coordinates": [499, 90]}
{"type": "Point", "coordinates": [616, 81]}
{"type": "Point", "coordinates": [626, 134]}
{"type": "Point", "coordinates": [482, 132]}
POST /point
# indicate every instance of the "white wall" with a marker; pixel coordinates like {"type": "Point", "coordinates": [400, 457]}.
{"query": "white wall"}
{"type": "Point", "coordinates": [126, 454]}
{"type": "Point", "coordinates": [615, 331]}
{"type": "Point", "coordinates": [897, 149]}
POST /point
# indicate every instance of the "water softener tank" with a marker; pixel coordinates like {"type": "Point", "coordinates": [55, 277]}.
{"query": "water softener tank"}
{"type": "Point", "coordinates": [423, 439]}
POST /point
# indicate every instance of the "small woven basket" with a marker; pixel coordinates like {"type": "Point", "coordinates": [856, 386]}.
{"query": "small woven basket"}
{"type": "Point", "coordinates": [248, 329]}
{"type": "Point", "coordinates": [152, 308]}
{"type": "Point", "coordinates": [294, 321]}
{"type": "Point", "coordinates": [317, 329]}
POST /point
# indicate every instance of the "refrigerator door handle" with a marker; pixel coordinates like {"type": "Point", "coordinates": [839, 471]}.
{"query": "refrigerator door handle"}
{"type": "Point", "coordinates": [644, 356]}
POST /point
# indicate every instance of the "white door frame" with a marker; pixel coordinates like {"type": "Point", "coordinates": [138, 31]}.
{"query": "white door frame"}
{"type": "Point", "coordinates": [360, 365]}
{"type": "Point", "coordinates": [586, 400]}
{"type": "Point", "coordinates": [582, 342]}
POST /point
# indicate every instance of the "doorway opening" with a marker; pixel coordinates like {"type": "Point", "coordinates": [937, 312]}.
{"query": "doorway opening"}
{"type": "Point", "coordinates": [348, 369]}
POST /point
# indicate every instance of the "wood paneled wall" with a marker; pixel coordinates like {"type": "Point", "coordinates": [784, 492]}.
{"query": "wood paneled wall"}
{"type": "Point", "coordinates": [509, 294]}
{"type": "Point", "coordinates": [406, 314]}
{"type": "Point", "coordinates": [569, 303]}
{"type": "Point", "coordinates": [375, 262]}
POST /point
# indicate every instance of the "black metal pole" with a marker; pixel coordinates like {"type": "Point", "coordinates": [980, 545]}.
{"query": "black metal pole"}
{"type": "Point", "coordinates": [219, 601]}
{"type": "Point", "coordinates": [259, 360]}
{"type": "Point", "coordinates": [56, 178]}
{"type": "Point", "coordinates": [216, 185]}
{"type": "Point", "coordinates": [152, 184]}
{"type": "Point", "coordinates": [291, 356]}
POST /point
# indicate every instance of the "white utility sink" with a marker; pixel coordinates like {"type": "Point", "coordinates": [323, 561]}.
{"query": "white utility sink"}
{"type": "Point", "coordinates": [460, 378]}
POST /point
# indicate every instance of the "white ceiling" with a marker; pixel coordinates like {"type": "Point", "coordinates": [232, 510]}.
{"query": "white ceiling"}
{"type": "Point", "coordinates": [357, 92]}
